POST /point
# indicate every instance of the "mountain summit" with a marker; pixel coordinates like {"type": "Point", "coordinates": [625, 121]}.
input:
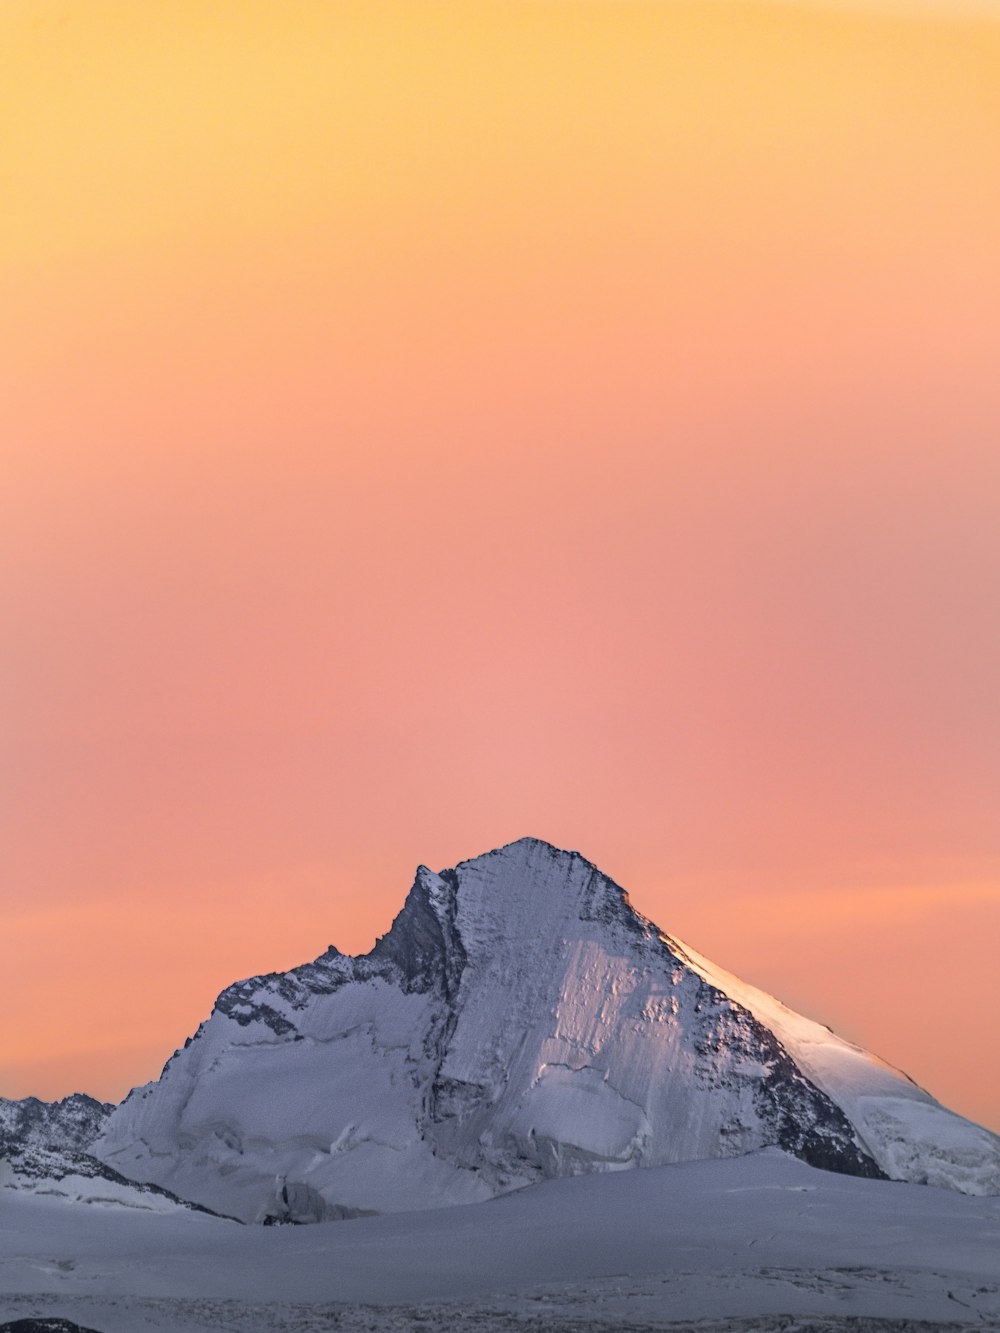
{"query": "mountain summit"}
{"type": "Point", "coordinates": [520, 1020]}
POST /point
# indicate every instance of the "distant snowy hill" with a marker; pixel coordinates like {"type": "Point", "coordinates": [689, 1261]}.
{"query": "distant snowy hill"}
{"type": "Point", "coordinates": [44, 1150]}
{"type": "Point", "coordinates": [519, 1021]}
{"type": "Point", "coordinates": [72, 1124]}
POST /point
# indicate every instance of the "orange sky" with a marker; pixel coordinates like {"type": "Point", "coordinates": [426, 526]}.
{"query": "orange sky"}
{"type": "Point", "coordinates": [428, 424]}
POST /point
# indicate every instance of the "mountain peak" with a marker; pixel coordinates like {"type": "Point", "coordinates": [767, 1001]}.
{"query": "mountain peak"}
{"type": "Point", "coordinates": [505, 903]}
{"type": "Point", "coordinates": [531, 889]}
{"type": "Point", "coordinates": [518, 1020]}
{"type": "Point", "coordinates": [522, 848]}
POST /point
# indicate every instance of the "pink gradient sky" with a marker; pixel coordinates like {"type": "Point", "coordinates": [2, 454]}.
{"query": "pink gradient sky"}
{"type": "Point", "coordinates": [426, 425]}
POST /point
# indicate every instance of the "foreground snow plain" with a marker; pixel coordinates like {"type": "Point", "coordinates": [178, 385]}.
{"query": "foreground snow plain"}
{"type": "Point", "coordinates": [761, 1243]}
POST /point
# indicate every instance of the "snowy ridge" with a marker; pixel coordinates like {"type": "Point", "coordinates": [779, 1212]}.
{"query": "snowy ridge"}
{"type": "Point", "coordinates": [911, 1136]}
{"type": "Point", "coordinates": [519, 1021]}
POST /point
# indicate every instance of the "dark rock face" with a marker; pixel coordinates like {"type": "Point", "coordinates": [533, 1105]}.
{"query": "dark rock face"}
{"type": "Point", "coordinates": [73, 1123]}
{"type": "Point", "coordinates": [808, 1123]}
{"type": "Point", "coordinates": [804, 1120]}
{"type": "Point", "coordinates": [44, 1326]}
{"type": "Point", "coordinates": [421, 952]}
{"type": "Point", "coordinates": [423, 947]}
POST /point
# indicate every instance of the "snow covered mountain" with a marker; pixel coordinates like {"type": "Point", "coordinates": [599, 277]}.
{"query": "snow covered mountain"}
{"type": "Point", "coordinates": [520, 1020]}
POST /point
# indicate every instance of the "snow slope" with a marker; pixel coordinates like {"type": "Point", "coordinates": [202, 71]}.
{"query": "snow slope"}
{"type": "Point", "coordinates": [519, 1021]}
{"type": "Point", "coordinates": [733, 1240]}
{"type": "Point", "coordinates": [909, 1134]}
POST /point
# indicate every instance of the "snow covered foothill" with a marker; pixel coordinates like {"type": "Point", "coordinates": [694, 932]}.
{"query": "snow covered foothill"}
{"type": "Point", "coordinates": [81, 1178]}
{"type": "Point", "coordinates": [43, 1151]}
{"type": "Point", "coordinates": [520, 1021]}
